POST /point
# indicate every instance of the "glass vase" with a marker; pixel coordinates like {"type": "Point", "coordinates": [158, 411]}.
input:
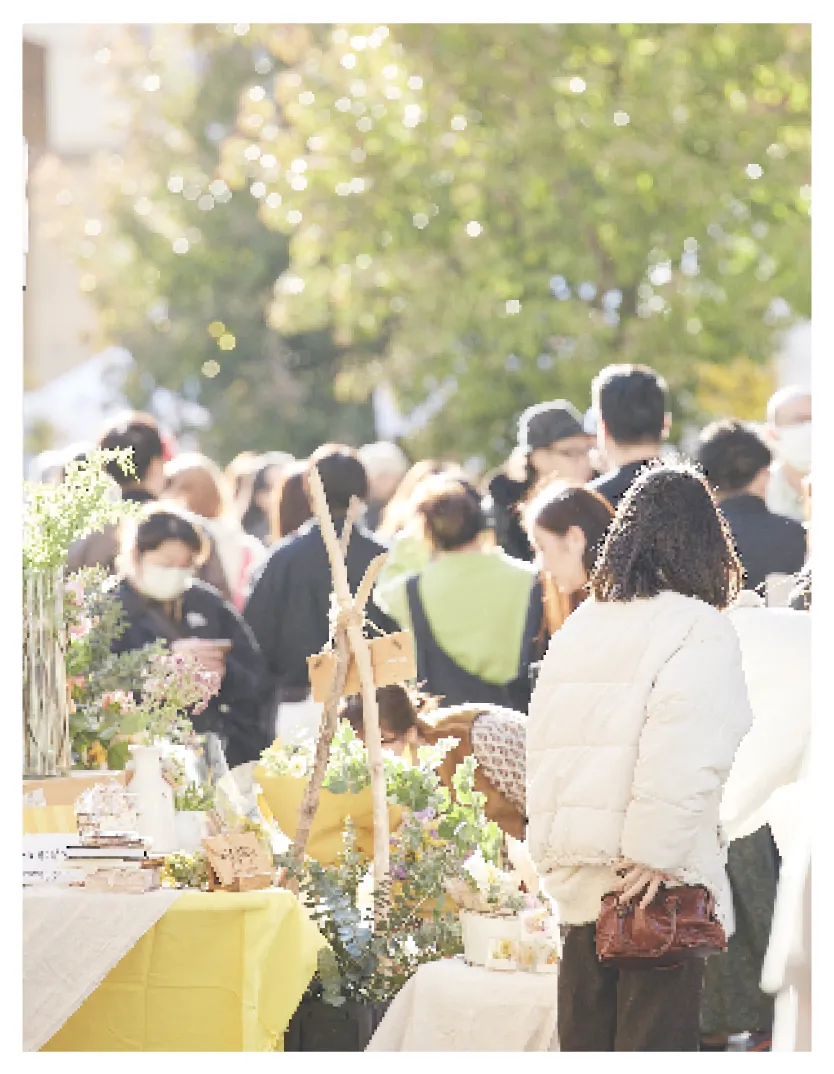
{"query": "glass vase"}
{"type": "Point", "coordinates": [46, 742]}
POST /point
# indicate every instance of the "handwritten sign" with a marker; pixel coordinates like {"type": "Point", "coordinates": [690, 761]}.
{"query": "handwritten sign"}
{"type": "Point", "coordinates": [236, 858]}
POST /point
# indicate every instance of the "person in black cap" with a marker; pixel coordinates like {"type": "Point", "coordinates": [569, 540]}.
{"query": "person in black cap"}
{"type": "Point", "coordinates": [552, 443]}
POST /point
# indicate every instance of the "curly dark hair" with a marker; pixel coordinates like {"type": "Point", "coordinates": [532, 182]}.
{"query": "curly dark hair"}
{"type": "Point", "coordinates": [668, 535]}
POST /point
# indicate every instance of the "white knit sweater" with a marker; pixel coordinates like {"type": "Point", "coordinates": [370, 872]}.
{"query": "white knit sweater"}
{"type": "Point", "coordinates": [638, 711]}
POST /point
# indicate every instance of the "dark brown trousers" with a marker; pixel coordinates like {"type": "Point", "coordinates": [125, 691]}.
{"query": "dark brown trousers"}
{"type": "Point", "coordinates": [607, 1010]}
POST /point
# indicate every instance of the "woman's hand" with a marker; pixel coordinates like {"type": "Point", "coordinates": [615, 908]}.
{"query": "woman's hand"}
{"type": "Point", "coordinates": [210, 657]}
{"type": "Point", "coordinates": [639, 878]}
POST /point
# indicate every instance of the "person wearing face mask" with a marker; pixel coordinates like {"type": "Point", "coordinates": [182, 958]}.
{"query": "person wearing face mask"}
{"type": "Point", "coordinates": [552, 443]}
{"type": "Point", "coordinates": [789, 436]}
{"type": "Point", "coordinates": [163, 599]}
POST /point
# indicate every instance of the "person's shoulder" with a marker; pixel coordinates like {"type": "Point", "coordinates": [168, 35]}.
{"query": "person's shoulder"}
{"type": "Point", "coordinates": [512, 564]}
{"type": "Point", "coordinates": [606, 484]}
{"type": "Point", "coordinates": [201, 592]}
{"type": "Point", "coordinates": [504, 490]}
{"type": "Point", "coordinates": [373, 542]}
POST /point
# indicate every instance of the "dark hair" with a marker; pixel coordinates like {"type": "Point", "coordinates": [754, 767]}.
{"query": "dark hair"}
{"type": "Point", "coordinates": [254, 517]}
{"type": "Point", "coordinates": [632, 401]}
{"type": "Point", "coordinates": [157, 525]}
{"type": "Point", "coordinates": [558, 507]}
{"type": "Point", "coordinates": [342, 475]}
{"type": "Point", "coordinates": [399, 709]}
{"type": "Point", "coordinates": [668, 534]}
{"type": "Point", "coordinates": [451, 511]}
{"type": "Point", "coordinates": [731, 454]}
{"type": "Point", "coordinates": [140, 433]}
{"type": "Point", "coordinates": [291, 505]}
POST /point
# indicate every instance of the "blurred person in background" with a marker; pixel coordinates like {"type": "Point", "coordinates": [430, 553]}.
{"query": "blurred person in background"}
{"type": "Point", "coordinates": [767, 790]}
{"type": "Point", "coordinates": [139, 433]}
{"type": "Point", "coordinates": [631, 410]}
{"type": "Point", "coordinates": [639, 709]}
{"type": "Point", "coordinates": [788, 434]}
{"type": "Point", "coordinates": [552, 442]}
{"type": "Point", "coordinates": [800, 597]}
{"type": "Point", "coordinates": [289, 606]}
{"type": "Point", "coordinates": [386, 465]}
{"type": "Point", "coordinates": [255, 517]}
{"type": "Point", "coordinates": [567, 527]}
{"type": "Point", "coordinates": [402, 525]}
{"type": "Point", "coordinates": [290, 508]}
{"type": "Point", "coordinates": [399, 512]}
{"type": "Point", "coordinates": [239, 476]}
{"type": "Point", "coordinates": [164, 600]}
{"type": "Point", "coordinates": [736, 461]}
{"type": "Point", "coordinates": [198, 484]}
{"type": "Point", "coordinates": [494, 736]}
{"type": "Point", "coordinates": [468, 606]}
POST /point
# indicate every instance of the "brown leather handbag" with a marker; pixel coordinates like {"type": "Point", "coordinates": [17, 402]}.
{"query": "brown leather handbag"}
{"type": "Point", "coordinates": [678, 924]}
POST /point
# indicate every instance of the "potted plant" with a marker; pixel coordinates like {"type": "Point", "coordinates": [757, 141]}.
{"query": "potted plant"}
{"type": "Point", "coordinates": [490, 901]}
{"type": "Point", "coordinates": [192, 803]}
{"type": "Point", "coordinates": [368, 961]}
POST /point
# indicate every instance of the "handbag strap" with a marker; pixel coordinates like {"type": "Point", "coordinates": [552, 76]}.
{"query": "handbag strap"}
{"type": "Point", "coordinates": [667, 946]}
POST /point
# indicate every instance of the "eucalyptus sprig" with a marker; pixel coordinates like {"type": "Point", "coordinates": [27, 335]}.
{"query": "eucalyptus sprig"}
{"type": "Point", "coordinates": [55, 516]}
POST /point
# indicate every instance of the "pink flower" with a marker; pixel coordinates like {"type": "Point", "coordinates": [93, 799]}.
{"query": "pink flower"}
{"type": "Point", "coordinates": [75, 591]}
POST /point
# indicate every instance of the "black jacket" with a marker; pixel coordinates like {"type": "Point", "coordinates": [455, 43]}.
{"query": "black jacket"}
{"type": "Point", "coordinates": [767, 543]}
{"type": "Point", "coordinates": [238, 714]}
{"type": "Point", "coordinates": [502, 503]}
{"type": "Point", "coordinates": [615, 484]}
{"type": "Point", "coordinates": [289, 605]}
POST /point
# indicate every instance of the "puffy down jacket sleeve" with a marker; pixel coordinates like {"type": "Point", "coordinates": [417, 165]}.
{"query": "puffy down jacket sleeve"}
{"type": "Point", "coordinates": [697, 713]}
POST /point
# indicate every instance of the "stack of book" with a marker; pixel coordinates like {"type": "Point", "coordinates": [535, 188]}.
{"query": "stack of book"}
{"type": "Point", "coordinates": [115, 861]}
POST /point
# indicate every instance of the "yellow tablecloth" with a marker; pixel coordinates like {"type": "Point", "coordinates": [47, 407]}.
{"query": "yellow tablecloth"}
{"type": "Point", "coordinates": [218, 972]}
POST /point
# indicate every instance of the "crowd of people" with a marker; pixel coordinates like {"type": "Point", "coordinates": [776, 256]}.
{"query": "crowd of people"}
{"type": "Point", "coordinates": [594, 621]}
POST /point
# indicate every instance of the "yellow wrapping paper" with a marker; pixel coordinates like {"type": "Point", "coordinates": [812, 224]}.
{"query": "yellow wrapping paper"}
{"type": "Point", "coordinates": [42, 820]}
{"type": "Point", "coordinates": [218, 972]}
{"type": "Point", "coordinates": [281, 800]}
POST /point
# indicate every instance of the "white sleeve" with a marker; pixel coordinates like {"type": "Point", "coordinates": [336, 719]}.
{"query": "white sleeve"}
{"type": "Point", "coordinates": [697, 714]}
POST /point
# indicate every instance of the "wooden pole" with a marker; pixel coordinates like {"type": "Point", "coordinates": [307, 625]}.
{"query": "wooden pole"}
{"type": "Point", "coordinates": [350, 620]}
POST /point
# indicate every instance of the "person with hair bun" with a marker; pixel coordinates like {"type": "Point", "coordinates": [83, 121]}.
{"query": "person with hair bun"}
{"type": "Point", "coordinates": [467, 607]}
{"type": "Point", "coordinates": [164, 600]}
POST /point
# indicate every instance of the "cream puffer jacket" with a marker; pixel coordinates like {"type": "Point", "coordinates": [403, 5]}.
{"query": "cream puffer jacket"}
{"type": "Point", "coordinates": [637, 714]}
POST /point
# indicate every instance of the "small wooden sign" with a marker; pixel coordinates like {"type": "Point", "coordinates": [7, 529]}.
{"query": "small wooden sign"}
{"type": "Point", "coordinates": [392, 657]}
{"type": "Point", "coordinates": [238, 861]}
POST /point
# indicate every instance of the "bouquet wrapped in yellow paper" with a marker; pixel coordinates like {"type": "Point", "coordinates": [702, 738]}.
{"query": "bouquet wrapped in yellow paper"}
{"type": "Point", "coordinates": [280, 800]}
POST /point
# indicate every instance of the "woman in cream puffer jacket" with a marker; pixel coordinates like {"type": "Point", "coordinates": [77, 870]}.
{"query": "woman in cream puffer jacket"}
{"type": "Point", "coordinates": [640, 706]}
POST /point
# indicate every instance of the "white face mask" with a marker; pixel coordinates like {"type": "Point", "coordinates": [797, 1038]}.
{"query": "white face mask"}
{"type": "Point", "coordinates": [163, 583]}
{"type": "Point", "coordinates": [793, 446]}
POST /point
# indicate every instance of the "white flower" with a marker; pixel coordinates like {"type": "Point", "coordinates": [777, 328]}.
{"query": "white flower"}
{"type": "Point", "coordinates": [297, 766]}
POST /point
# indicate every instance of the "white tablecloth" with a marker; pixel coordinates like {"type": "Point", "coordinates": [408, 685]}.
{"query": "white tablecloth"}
{"type": "Point", "coordinates": [71, 940]}
{"type": "Point", "coordinates": [448, 1006]}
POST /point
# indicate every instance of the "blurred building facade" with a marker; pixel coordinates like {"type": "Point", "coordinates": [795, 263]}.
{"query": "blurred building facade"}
{"type": "Point", "coordinates": [65, 123]}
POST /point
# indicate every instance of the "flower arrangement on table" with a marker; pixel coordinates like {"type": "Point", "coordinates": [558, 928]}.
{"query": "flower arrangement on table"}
{"type": "Point", "coordinates": [486, 889]}
{"type": "Point", "coordinates": [436, 831]}
{"type": "Point", "coordinates": [54, 517]}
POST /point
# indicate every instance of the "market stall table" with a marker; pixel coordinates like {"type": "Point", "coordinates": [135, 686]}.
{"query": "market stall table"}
{"type": "Point", "coordinates": [214, 971]}
{"type": "Point", "coordinates": [449, 1006]}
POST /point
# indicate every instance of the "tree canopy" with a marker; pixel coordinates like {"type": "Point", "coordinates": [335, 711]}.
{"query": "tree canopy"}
{"type": "Point", "coordinates": [509, 208]}
{"type": "Point", "coordinates": [300, 213]}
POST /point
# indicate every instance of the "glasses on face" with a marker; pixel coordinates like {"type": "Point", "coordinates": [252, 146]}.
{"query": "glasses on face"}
{"type": "Point", "coordinates": [571, 453]}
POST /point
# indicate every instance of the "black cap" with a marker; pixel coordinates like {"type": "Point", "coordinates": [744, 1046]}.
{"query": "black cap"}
{"type": "Point", "coordinates": [545, 423]}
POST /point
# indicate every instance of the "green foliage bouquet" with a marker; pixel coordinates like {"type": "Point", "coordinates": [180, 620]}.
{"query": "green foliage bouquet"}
{"type": "Point", "coordinates": [55, 516]}
{"type": "Point", "coordinates": [440, 830]}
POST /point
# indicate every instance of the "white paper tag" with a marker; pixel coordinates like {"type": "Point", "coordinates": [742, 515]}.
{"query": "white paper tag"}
{"type": "Point", "coordinates": [45, 858]}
